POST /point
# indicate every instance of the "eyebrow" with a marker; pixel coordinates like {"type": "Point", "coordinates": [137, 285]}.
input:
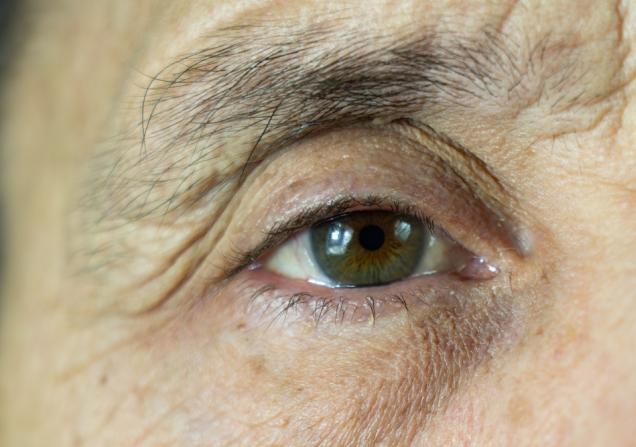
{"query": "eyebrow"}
{"type": "Point", "coordinates": [253, 90]}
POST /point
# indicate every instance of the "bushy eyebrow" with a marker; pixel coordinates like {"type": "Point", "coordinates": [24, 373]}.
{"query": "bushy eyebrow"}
{"type": "Point", "coordinates": [252, 90]}
{"type": "Point", "coordinates": [288, 83]}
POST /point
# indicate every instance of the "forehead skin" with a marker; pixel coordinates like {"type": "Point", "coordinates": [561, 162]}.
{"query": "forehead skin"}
{"type": "Point", "coordinates": [573, 170]}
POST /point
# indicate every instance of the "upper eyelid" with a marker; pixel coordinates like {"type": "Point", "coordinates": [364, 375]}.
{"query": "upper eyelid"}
{"type": "Point", "coordinates": [200, 103]}
{"type": "Point", "coordinates": [445, 185]}
{"type": "Point", "coordinates": [497, 195]}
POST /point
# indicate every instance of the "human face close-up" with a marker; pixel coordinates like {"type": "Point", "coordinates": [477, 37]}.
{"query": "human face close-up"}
{"type": "Point", "coordinates": [304, 223]}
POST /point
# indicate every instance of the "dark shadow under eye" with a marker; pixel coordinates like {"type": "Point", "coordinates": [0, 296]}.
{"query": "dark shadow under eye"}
{"type": "Point", "coordinates": [368, 248]}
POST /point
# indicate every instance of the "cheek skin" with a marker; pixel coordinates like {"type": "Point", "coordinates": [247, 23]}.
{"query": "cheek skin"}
{"type": "Point", "coordinates": [347, 385]}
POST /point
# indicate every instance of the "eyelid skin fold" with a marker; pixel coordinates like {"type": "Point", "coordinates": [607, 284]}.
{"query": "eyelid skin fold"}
{"type": "Point", "coordinates": [430, 186]}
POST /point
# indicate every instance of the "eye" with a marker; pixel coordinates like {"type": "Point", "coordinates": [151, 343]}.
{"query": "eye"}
{"type": "Point", "coordinates": [368, 248]}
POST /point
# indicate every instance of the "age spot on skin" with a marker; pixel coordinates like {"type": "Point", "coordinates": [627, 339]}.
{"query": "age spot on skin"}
{"type": "Point", "coordinates": [257, 365]}
{"type": "Point", "coordinates": [520, 411]}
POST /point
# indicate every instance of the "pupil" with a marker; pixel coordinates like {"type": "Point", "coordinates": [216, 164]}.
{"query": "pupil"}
{"type": "Point", "coordinates": [371, 237]}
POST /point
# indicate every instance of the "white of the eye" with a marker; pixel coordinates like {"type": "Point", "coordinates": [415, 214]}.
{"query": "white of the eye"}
{"type": "Point", "coordinates": [436, 257]}
{"type": "Point", "coordinates": [295, 260]}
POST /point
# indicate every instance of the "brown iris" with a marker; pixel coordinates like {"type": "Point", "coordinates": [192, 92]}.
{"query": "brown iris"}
{"type": "Point", "coordinates": [368, 248]}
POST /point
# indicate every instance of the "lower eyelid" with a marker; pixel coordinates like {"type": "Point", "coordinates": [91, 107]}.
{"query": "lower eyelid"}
{"type": "Point", "coordinates": [274, 300]}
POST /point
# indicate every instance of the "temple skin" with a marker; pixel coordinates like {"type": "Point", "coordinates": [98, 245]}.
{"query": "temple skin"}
{"type": "Point", "coordinates": [533, 166]}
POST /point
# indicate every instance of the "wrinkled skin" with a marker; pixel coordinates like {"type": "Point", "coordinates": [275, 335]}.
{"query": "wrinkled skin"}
{"type": "Point", "coordinates": [130, 354]}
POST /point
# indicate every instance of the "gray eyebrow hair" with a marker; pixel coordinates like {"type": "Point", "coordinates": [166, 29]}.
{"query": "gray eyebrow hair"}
{"type": "Point", "coordinates": [259, 88]}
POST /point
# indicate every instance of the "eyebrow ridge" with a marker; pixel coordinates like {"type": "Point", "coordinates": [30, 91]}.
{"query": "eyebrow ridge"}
{"type": "Point", "coordinates": [255, 95]}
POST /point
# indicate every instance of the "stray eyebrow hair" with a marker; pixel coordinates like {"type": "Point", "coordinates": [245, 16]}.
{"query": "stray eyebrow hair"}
{"type": "Point", "coordinates": [256, 89]}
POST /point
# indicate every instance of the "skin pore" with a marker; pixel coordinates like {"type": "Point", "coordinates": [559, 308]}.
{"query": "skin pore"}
{"type": "Point", "coordinates": [157, 154]}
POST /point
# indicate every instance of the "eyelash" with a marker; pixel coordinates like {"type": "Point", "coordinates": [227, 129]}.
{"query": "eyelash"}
{"type": "Point", "coordinates": [282, 231]}
{"type": "Point", "coordinates": [270, 304]}
{"type": "Point", "coordinates": [322, 307]}
{"type": "Point", "coordinates": [361, 305]}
